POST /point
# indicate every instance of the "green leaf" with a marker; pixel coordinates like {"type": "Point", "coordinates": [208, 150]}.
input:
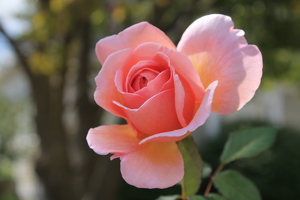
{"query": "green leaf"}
{"type": "Point", "coordinates": [197, 197]}
{"type": "Point", "coordinates": [215, 197]}
{"type": "Point", "coordinates": [193, 165]}
{"type": "Point", "coordinates": [248, 143]}
{"type": "Point", "coordinates": [210, 197]}
{"type": "Point", "coordinates": [171, 197]}
{"type": "Point", "coordinates": [235, 186]}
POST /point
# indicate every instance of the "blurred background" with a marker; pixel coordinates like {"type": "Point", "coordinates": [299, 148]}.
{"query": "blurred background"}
{"type": "Point", "coordinates": [47, 67]}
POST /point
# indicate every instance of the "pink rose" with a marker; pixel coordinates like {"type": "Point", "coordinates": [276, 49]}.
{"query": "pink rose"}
{"type": "Point", "coordinates": [165, 93]}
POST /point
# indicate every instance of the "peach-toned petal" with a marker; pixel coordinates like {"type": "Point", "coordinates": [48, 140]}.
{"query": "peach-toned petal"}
{"type": "Point", "coordinates": [179, 100]}
{"type": "Point", "coordinates": [155, 165]}
{"type": "Point", "coordinates": [200, 117]}
{"type": "Point", "coordinates": [131, 38]}
{"type": "Point", "coordinates": [148, 69]}
{"type": "Point", "coordinates": [112, 139]}
{"type": "Point", "coordinates": [133, 101]}
{"type": "Point", "coordinates": [188, 87]}
{"type": "Point", "coordinates": [238, 86]}
{"type": "Point", "coordinates": [179, 61]}
{"type": "Point", "coordinates": [106, 90]}
{"type": "Point", "coordinates": [192, 89]}
{"type": "Point", "coordinates": [184, 100]}
{"type": "Point", "coordinates": [220, 52]}
{"type": "Point", "coordinates": [154, 86]}
{"type": "Point", "coordinates": [205, 108]}
{"type": "Point", "coordinates": [156, 115]}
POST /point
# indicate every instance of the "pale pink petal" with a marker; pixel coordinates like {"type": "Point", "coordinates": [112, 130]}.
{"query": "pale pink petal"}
{"type": "Point", "coordinates": [112, 139]}
{"type": "Point", "coordinates": [220, 52]}
{"type": "Point", "coordinates": [156, 115]}
{"type": "Point", "coordinates": [106, 90]}
{"type": "Point", "coordinates": [155, 165]}
{"type": "Point", "coordinates": [205, 108]}
{"type": "Point", "coordinates": [120, 78]}
{"type": "Point", "coordinates": [131, 38]}
{"type": "Point", "coordinates": [200, 117]}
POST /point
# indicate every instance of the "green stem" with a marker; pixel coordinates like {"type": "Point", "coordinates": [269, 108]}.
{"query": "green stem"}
{"type": "Point", "coordinates": [183, 195]}
{"type": "Point", "coordinates": [206, 193]}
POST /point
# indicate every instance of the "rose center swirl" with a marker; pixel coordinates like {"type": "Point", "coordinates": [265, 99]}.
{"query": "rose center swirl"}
{"type": "Point", "coordinates": [142, 78]}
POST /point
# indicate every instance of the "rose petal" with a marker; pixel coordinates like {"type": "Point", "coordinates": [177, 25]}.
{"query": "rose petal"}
{"type": "Point", "coordinates": [200, 117]}
{"type": "Point", "coordinates": [221, 53]}
{"type": "Point", "coordinates": [106, 91]}
{"type": "Point", "coordinates": [131, 38]}
{"type": "Point", "coordinates": [164, 60]}
{"type": "Point", "coordinates": [141, 79]}
{"type": "Point", "coordinates": [156, 115]}
{"type": "Point", "coordinates": [138, 68]}
{"type": "Point", "coordinates": [180, 94]}
{"type": "Point", "coordinates": [153, 87]}
{"type": "Point", "coordinates": [191, 91]}
{"type": "Point", "coordinates": [112, 139]}
{"type": "Point", "coordinates": [133, 101]}
{"type": "Point", "coordinates": [179, 100]}
{"type": "Point", "coordinates": [155, 165]}
{"type": "Point", "coordinates": [179, 61]}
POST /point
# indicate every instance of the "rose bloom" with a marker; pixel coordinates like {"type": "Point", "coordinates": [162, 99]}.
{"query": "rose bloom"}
{"type": "Point", "coordinates": [165, 92]}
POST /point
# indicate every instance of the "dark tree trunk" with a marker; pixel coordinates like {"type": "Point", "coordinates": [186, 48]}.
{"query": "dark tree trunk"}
{"type": "Point", "coordinates": [64, 176]}
{"type": "Point", "coordinates": [53, 165]}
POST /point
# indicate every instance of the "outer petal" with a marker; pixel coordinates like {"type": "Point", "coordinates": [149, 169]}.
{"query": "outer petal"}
{"type": "Point", "coordinates": [155, 165]}
{"type": "Point", "coordinates": [131, 38]}
{"type": "Point", "coordinates": [200, 117]}
{"type": "Point", "coordinates": [106, 90]}
{"type": "Point", "coordinates": [112, 139]}
{"type": "Point", "coordinates": [221, 53]}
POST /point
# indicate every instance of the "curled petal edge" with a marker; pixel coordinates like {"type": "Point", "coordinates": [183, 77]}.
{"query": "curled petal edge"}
{"type": "Point", "coordinates": [116, 139]}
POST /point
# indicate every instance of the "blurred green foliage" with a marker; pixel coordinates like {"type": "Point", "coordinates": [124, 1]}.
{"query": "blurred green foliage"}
{"type": "Point", "coordinates": [274, 26]}
{"type": "Point", "coordinates": [8, 113]}
{"type": "Point", "coordinates": [7, 119]}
